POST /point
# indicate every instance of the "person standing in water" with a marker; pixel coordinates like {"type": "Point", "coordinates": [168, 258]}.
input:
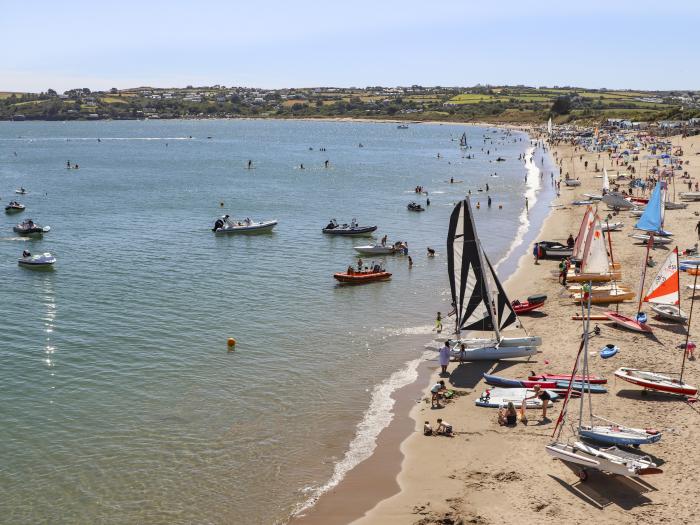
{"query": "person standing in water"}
{"type": "Point", "coordinates": [527, 208]}
{"type": "Point", "coordinates": [325, 164]}
{"type": "Point", "coordinates": [250, 164]}
{"type": "Point", "coordinates": [489, 201]}
{"type": "Point", "coordinates": [438, 323]}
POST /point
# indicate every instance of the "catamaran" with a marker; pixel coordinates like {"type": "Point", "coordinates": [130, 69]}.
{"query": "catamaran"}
{"type": "Point", "coordinates": [479, 299]}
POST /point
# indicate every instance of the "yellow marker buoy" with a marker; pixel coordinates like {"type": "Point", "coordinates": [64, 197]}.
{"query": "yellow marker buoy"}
{"type": "Point", "coordinates": [231, 342]}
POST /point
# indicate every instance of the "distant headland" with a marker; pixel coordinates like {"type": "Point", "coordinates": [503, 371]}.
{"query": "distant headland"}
{"type": "Point", "coordinates": [495, 104]}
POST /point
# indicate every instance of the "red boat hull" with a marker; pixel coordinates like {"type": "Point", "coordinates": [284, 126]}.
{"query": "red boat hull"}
{"type": "Point", "coordinates": [627, 322]}
{"type": "Point", "coordinates": [361, 277]}
{"type": "Point", "coordinates": [594, 380]}
{"type": "Point", "coordinates": [526, 306]}
{"type": "Point", "coordinates": [651, 385]}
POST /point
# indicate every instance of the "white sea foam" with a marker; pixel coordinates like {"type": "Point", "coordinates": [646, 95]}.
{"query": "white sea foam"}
{"type": "Point", "coordinates": [532, 186]}
{"type": "Point", "coordinates": [377, 417]}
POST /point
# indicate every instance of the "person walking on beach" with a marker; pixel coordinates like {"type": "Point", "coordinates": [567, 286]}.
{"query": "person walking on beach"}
{"type": "Point", "coordinates": [697, 228]}
{"type": "Point", "coordinates": [438, 323]}
{"type": "Point", "coordinates": [444, 359]}
{"type": "Point", "coordinates": [527, 208]}
{"type": "Point", "coordinates": [536, 253]}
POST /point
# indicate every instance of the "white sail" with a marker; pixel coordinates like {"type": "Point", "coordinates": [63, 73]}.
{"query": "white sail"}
{"type": "Point", "coordinates": [606, 181]}
{"type": "Point", "coordinates": [595, 253]}
{"type": "Point", "coordinates": [549, 126]}
{"type": "Point", "coordinates": [664, 289]}
{"type": "Point", "coordinates": [582, 234]}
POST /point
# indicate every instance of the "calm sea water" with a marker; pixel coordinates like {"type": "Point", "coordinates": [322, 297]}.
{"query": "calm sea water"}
{"type": "Point", "coordinates": [120, 402]}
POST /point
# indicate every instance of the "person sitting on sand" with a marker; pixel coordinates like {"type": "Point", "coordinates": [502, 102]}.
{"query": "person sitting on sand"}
{"type": "Point", "coordinates": [444, 428]}
{"type": "Point", "coordinates": [427, 429]}
{"type": "Point", "coordinates": [507, 416]}
{"type": "Point", "coordinates": [540, 394]}
{"type": "Point", "coordinates": [436, 391]}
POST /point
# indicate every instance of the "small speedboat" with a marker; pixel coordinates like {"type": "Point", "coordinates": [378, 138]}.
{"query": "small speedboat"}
{"type": "Point", "coordinates": [30, 228]}
{"type": "Point", "coordinates": [21, 191]}
{"type": "Point", "coordinates": [414, 206]}
{"type": "Point", "coordinates": [532, 303]}
{"type": "Point", "coordinates": [227, 225]}
{"type": "Point", "coordinates": [333, 228]}
{"type": "Point", "coordinates": [42, 260]}
{"type": "Point", "coordinates": [14, 207]}
{"type": "Point", "coordinates": [379, 249]}
{"type": "Point", "coordinates": [402, 126]}
{"type": "Point", "coordinates": [362, 277]}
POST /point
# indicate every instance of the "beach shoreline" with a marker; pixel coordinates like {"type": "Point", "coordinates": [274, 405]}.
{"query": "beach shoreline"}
{"type": "Point", "coordinates": [492, 474]}
{"type": "Point", "coordinates": [377, 478]}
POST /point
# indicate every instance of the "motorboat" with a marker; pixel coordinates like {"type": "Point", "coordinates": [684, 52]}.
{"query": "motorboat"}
{"type": "Point", "coordinates": [352, 276]}
{"type": "Point", "coordinates": [533, 302]}
{"type": "Point", "coordinates": [402, 126]}
{"type": "Point", "coordinates": [21, 191]}
{"type": "Point", "coordinates": [553, 250]}
{"type": "Point", "coordinates": [414, 206]}
{"type": "Point", "coordinates": [380, 249]}
{"type": "Point", "coordinates": [42, 260]}
{"type": "Point", "coordinates": [333, 228]}
{"type": "Point", "coordinates": [654, 381]}
{"type": "Point", "coordinates": [14, 207]}
{"type": "Point", "coordinates": [225, 225]}
{"type": "Point", "coordinates": [30, 228]}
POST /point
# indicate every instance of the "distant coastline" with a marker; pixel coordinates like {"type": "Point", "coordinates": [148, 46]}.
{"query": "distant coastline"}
{"type": "Point", "coordinates": [478, 104]}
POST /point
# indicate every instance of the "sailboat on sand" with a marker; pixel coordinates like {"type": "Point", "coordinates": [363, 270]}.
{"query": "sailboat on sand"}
{"type": "Point", "coordinates": [479, 300]}
{"type": "Point", "coordinates": [600, 457]}
{"type": "Point", "coordinates": [664, 291]}
{"type": "Point", "coordinates": [595, 263]}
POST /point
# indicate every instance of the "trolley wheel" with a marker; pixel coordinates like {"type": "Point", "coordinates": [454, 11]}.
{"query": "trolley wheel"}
{"type": "Point", "coordinates": [645, 392]}
{"type": "Point", "coordinates": [583, 474]}
{"type": "Point", "coordinates": [636, 445]}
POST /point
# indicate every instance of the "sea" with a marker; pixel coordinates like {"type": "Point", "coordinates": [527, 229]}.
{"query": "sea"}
{"type": "Point", "coordinates": [120, 401]}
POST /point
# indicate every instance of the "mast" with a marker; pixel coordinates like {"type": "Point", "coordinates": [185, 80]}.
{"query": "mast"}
{"type": "Point", "coordinates": [690, 318]}
{"type": "Point", "coordinates": [487, 288]}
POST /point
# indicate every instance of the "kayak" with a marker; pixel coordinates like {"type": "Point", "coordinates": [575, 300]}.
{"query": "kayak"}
{"type": "Point", "coordinates": [608, 351]}
{"type": "Point", "coordinates": [521, 307]}
{"type": "Point", "coordinates": [361, 277]}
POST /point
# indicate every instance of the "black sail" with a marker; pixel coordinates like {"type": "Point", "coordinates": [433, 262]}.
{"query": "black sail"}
{"type": "Point", "coordinates": [466, 271]}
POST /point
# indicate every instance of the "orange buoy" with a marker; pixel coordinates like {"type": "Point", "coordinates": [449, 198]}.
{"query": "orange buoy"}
{"type": "Point", "coordinates": [231, 342]}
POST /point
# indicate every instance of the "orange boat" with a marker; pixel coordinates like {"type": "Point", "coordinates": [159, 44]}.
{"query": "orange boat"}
{"type": "Point", "coordinates": [354, 277]}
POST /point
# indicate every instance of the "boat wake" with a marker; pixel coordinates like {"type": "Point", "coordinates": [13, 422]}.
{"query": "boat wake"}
{"type": "Point", "coordinates": [532, 187]}
{"type": "Point", "coordinates": [377, 417]}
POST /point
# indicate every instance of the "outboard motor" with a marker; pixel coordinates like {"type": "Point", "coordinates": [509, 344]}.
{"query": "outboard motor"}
{"type": "Point", "coordinates": [218, 224]}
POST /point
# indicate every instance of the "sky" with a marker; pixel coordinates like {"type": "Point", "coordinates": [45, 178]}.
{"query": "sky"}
{"type": "Point", "coordinates": [635, 44]}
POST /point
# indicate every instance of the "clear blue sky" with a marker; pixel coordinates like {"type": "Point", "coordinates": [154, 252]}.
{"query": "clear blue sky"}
{"type": "Point", "coordinates": [271, 43]}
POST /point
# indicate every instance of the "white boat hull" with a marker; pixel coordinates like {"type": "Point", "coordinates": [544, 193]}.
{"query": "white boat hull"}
{"type": "Point", "coordinates": [490, 353]}
{"type": "Point", "coordinates": [529, 340]}
{"type": "Point", "coordinates": [671, 312]}
{"type": "Point", "coordinates": [375, 250]}
{"type": "Point", "coordinates": [255, 227]}
{"type": "Point", "coordinates": [610, 459]}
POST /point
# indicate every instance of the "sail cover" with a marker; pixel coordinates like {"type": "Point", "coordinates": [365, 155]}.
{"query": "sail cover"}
{"type": "Point", "coordinates": [582, 235]}
{"type": "Point", "coordinates": [652, 218]}
{"type": "Point", "coordinates": [606, 181]}
{"type": "Point", "coordinates": [469, 272]}
{"type": "Point", "coordinates": [665, 286]}
{"type": "Point", "coordinates": [595, 254]}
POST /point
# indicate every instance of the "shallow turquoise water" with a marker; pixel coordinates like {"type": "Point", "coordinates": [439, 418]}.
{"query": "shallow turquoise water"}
{"type": "Point", "coordinates": [119, 400]}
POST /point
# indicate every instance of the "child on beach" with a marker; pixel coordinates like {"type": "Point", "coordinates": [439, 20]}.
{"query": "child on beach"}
{"type": "Point", "coordinates": [427, 429]}
{"type": "Point", "coordinates": [438, 323]}
{"type": "Point", "coordinates": [444, 358]}
{"type": "Point", "coordinates": [507, 416]}
{"type": "Point", "coordinates": [444, 429]}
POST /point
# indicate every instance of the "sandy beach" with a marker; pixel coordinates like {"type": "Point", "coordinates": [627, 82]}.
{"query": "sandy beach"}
{"type": "Point", "coordinates": [493, 474]}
